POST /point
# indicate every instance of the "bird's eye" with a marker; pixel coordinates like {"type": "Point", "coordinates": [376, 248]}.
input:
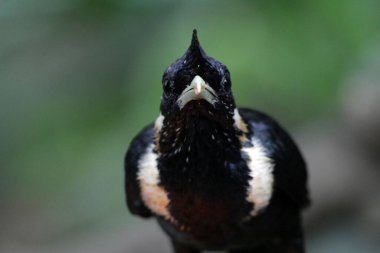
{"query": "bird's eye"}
{"type": "Point", "coordinates": [226, 83]}
{"type": "Point", "coordinates": [166, 87]}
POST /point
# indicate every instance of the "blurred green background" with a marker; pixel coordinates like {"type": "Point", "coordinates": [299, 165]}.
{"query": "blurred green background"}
{"type": "Point", "coordinates": [79, 78]}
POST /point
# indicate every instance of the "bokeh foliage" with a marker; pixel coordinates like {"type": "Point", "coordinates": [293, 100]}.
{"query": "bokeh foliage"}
{"type": "Point", "coordinates": [79, 78]}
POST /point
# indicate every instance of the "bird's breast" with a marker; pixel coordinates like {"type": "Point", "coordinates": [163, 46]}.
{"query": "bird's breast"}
{"type": "Point", "coordinates": [198, 190]}
{"type": "Point", "coordinates": [201, 213]}
{"type": "Point", "coordinates": [207, 196]}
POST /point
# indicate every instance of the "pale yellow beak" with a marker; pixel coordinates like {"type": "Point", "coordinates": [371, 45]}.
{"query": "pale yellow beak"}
{"type": "Point", "coordinates": [198, 84]}
{"type": "Point", "coordinates": [197, 89]}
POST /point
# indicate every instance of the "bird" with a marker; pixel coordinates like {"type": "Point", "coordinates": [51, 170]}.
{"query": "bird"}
{"type": "Point", "coordinates": [215, 176]}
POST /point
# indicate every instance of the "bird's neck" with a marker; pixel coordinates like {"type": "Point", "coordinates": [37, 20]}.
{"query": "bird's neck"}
{"type": "Point", "coordinates": [198, 134]}
{"type": "Point", "coordinates": [197, 148]}
{"type": "Point", "coordinates": [190, 158]}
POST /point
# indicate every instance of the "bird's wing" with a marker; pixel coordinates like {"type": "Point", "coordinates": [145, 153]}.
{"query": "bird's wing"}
{"type": "Point", "coordinates": [136, 150]}
{"type": "Point", "coordinates": [290, 176]}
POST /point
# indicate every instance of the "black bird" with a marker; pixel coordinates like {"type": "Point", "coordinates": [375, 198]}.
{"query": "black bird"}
{"type": "Point", "coordinates": [214, 176]}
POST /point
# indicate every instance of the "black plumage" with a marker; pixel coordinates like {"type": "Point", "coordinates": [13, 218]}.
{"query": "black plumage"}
{"type": "Point", "coordinates": [216, 177]}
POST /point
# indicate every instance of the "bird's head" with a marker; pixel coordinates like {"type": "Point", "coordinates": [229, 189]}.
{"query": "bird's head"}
{"type": "Point", "coordinates": [196, 83]}
{"type": "Point", "coordinates": [197, 97]}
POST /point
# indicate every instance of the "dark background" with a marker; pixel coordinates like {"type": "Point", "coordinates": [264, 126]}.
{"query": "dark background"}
{"type": "Point", "coordinates": [79, 78]}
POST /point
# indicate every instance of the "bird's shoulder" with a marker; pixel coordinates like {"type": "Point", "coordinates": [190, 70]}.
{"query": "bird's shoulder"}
{"type": "Point", "coordinates": [289, 171]}
{"type": "Point", "coordinates": [137, 149]}
{"type": "Point", "coordinates": [139, 144]}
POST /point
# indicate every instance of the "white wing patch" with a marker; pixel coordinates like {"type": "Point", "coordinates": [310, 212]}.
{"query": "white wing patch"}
{"type": "Point", "coordinates": [154, 196]}
{"type": "Point", "coordinates": [238, 122]}
{"type": "Point", "coordinates": [159, 123]}
{"type": "Point", "coordinates": [261, 170]}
